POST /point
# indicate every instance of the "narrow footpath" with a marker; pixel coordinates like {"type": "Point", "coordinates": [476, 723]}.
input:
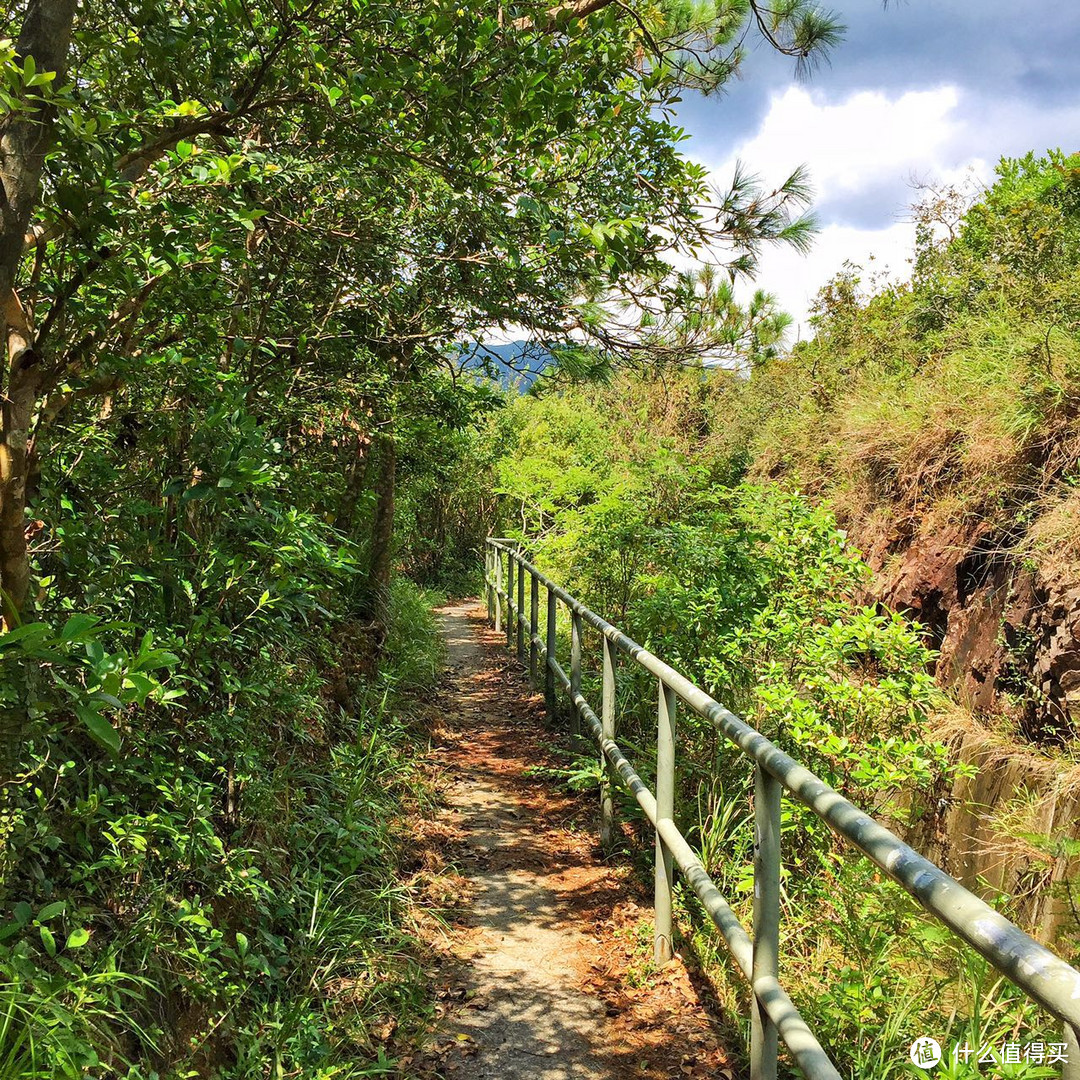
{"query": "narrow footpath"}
{"type": "Point", "coordinates": [549, 970]}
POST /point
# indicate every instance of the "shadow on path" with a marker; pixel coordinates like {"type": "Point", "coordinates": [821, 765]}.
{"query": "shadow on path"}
{"type": "Point", "coordinates": [542, 997]}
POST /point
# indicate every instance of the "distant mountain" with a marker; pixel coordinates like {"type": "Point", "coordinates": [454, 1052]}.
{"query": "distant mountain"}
{"type": "Point", "coordinates": [515, 365]}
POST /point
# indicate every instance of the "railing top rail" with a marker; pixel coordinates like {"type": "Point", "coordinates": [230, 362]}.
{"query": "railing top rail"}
{"type": "Point", "coordinates": [1050, 981]}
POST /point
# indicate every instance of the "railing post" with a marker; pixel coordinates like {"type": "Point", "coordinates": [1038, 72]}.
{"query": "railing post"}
{"type": "Point", "coordinates": [575, 670]}
{"type": "Point", "coordinates": [1070, 1070]}
{"type": "Point", "coordinates": [549, 671]}
{"type": "Point", "coordinates": [534, 626]}
{"type": "Point", "coordinates": [763, 1040]}
{"type": "Point", "coordinates": [509, 598]}
{"type": "Point", "coordinates": [487, 580]}
{"type": "Point", "coordinates": [665, 808]}
{"type": "Point", "coordinates": [607, 718]}
{"type": "Point", "coordinates": [498, 590]}
{"type": "Point", "coordinates": [519, 615]}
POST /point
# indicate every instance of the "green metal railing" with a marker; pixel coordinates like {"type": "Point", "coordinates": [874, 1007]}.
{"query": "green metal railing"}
{"type": "Point", "coordinates": [1043, 976]}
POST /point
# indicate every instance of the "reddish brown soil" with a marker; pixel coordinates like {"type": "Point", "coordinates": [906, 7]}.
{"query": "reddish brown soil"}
{"type": "Point", "coordinates": [545, 926]}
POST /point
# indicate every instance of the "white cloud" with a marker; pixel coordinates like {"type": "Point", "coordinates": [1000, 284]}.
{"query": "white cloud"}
{"type": "Point", "coordinates": [862, 150]}
{"type": "Point", "coordinates": [850, 145]}
{"type": "Point", "coordinates": [795, 279]}
{"type": "Point", "coordinates": [867, 145]}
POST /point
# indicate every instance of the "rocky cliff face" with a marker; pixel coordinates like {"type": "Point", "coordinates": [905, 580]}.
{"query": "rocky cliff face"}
{"type": "Point", "coordinates": [1011, 828]}
{"type": "Point", "coordinates": [1056, 653]}
{"type": "Point", "coordinates": [1009, 642]}
{"type": "Point", "coordinates": [1009, 637]}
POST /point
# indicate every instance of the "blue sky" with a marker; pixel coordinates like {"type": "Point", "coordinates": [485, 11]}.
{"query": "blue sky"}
{"type": "Point", "coordinates": [920, 90]}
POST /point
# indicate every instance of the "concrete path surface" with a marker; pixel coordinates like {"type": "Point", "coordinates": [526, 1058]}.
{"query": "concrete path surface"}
{"type": "Point", "coordinates": [551, 930]}
{"type": "Point", "coordinates": [525, 1015]}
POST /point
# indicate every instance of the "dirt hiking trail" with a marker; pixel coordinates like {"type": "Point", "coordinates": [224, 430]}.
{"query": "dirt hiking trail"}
{"type": "Point", "coordinates": [548, 975]}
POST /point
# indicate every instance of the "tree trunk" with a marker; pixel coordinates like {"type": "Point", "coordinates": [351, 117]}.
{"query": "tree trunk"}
{"type": "Point", "coordinates": [382, 533]}
{"type": "Point", "coordinates": [356, 481]}
{"type": "Point", "coordinates": [16, 415]}
{"type": "Point", "coordinates": [25, 139]}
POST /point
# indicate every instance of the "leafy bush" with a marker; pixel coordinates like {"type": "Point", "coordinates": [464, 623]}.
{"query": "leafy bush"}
{"type": "Point", "coordinates": [754, 592]}
{"type": "Point", "coordinates": [201, 855]}
{"type": "Point", "coordinates": [243, 863]}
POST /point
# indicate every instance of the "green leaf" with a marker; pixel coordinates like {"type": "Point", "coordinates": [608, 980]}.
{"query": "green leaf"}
{"type": "Point", "coordinates": [196, 492]}
{"type": "Point", "coordinates": [107, 698]}
{"type": "Point", "coordinates": [48, 940]}
{"type": "Point", "coordinates": [21, 633]}
{"type": "Point", "coordinates": [78, 938]}
{"type": "Point", "coordinates": [77, 626]}
{"type": "Point", "coordinates": [142, 686]}
{"type": "Point", "coordinates": [50, 911]}
{"type": "Point", "coordinates": [100, 728]}
{"type": "Point", "coordinates": [155, 658]}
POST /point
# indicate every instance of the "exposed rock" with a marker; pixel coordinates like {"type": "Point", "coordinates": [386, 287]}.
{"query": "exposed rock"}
{"type": "Point", "coordinates": [983, 832]}
{"type": "Point", "coordinates": [1055, 626]}
{"type": "Point", "coordinates": [1008, 641]}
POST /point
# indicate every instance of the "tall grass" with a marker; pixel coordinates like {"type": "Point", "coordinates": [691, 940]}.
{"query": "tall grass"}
{"type": "Point", "coordinates": [268, 941]}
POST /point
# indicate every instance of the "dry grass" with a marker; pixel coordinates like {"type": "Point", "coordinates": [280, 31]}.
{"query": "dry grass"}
{"type": "Point", "coordinates": [1057, 769]}
{"type": "Point", "coordinates": [906, 437]}
{"type": "Point", "coordinates": [1053, 541]}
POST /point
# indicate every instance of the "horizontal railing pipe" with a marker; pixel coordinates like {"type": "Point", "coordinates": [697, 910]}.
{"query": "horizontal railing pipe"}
{"type": "Point", "coordinates": [1035, 969]}
{"type": "Point", "coordinates": [1050, 981]}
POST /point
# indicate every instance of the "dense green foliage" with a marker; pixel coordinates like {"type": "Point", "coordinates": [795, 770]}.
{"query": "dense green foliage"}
{"type": "Point", "coordinates": [204, 899]}
{"type": "Point", "coordinates": [241, 244]}
{"type": "Point", "coordinates": [750, 590]}
{"type": "Point", "coordinates": [628, 493]}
